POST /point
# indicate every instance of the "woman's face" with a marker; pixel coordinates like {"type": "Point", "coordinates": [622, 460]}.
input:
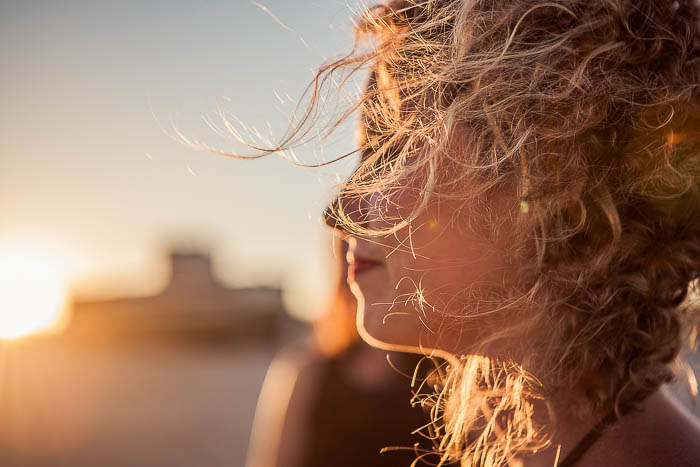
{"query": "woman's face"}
{"type": "Point", "coordinates": [421, 286]}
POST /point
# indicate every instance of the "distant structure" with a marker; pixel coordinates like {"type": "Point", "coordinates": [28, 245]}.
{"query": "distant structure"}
{"type": "Point", "coordinates": [193, 306]}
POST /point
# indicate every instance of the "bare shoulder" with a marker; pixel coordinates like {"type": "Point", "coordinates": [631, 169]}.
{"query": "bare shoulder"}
{"type": "Point", "coordinates": [661, 434]}
{"type": "Point", "coordinates": [677, 431]}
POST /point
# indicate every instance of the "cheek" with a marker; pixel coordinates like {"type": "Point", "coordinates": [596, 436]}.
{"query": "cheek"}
{"type": "Point", "coordinates": [438, 274]}
{"type": "Point", "coordinates": [445, 258]}
{"type": "Point", "coordinates": [440, 270]}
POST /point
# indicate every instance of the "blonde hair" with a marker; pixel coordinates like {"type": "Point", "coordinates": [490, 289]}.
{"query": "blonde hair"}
{"type": "Point", "coordinates": [588, 111]}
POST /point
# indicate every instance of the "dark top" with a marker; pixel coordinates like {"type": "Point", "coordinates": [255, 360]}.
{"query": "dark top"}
{"type": "Point", "coordinates": [348, 424]}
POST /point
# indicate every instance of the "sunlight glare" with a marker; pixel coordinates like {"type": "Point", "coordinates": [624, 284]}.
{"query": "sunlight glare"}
{"type": "Point", "coordinates": [31, 295]}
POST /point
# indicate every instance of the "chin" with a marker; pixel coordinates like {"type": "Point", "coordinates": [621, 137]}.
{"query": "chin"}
{"type": "Point", "coordinates": [397, 328]}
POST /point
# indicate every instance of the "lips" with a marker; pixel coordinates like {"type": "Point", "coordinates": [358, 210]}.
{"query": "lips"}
{"type": "Point", "coordinates": [359, 265]}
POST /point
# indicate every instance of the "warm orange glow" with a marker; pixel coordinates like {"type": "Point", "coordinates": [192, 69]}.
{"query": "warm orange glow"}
{"type": "Point", "coordinates": [31, 295]}
{"type": "Point", "coordinates": [674, 138]}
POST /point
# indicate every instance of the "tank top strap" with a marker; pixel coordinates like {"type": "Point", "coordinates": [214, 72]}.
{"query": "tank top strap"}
{"type": "Point", "coordinates": [587, 441]}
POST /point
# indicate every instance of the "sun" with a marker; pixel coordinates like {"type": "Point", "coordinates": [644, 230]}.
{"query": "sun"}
{"type": "Point", "coordinates": [31, 295]}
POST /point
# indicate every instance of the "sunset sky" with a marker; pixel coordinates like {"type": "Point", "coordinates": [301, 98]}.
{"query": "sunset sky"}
{"type": "Point", "coordinates": [91, 177]}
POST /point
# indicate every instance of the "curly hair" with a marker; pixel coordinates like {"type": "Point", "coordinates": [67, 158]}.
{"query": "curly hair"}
{"type": "Point", "coordinates": [588, 110]}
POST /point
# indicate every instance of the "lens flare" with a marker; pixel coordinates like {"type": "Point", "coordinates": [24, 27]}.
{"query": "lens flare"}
{"type": "Point", "coordinates": [31, 295]}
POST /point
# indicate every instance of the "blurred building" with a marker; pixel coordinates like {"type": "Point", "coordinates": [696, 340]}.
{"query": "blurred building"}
{"type": "Point", "coordinates": [166, 380]}
{"type": "Point", "coordinates": [193, 306]}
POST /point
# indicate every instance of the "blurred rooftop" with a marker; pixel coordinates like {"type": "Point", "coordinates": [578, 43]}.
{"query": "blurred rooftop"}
{"type": "Point", "coordinates": [192, 305]}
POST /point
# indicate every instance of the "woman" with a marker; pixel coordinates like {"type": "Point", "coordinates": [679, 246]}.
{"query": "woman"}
{"type": "Point", "coordinates": [528, 207]}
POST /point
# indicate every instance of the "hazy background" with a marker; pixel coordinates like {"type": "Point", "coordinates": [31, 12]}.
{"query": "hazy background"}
{"type": "Point", "coordinates": [96, 188]}
{"type": "Point", "coordinates": [90, 175]}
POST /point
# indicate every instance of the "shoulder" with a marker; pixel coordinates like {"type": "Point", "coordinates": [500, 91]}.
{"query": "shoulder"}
{"type": "Point", "coordinates": [677, 433]}
{"type": "Point", "coordinates": [284, 401]}
{"type": "Point", "coordinates": [662, 433]}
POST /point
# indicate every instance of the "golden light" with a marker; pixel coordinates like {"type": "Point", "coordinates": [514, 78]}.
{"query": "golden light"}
{"type": "Point", "coordinates": [31, 294]}
{"type": "Point", "coordinates": [674, 138]}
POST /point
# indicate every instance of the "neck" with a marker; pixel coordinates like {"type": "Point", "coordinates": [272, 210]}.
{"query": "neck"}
{"type": "Point", "coordinates": [568, 430]}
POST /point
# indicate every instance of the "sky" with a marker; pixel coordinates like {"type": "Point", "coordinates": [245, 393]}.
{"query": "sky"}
{"type": "Point", "coordinates": [92, 175]}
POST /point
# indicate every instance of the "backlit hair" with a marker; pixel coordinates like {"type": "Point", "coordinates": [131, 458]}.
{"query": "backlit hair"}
{"type": "Point", "coordinates": [588, 111]}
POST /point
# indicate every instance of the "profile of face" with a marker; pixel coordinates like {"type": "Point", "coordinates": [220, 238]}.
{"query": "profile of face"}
{"type": "Point", "coordinates": [420, 288]}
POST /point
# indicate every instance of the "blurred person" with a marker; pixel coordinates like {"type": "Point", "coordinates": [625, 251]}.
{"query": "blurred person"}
{"type": "Point", "coordinates": [337, 401]}
{"type": "Point", "coordinates": [528, 208]}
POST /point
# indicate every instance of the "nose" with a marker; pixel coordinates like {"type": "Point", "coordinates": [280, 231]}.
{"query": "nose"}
{"type": "Point", "coordinates": [346, 208]}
